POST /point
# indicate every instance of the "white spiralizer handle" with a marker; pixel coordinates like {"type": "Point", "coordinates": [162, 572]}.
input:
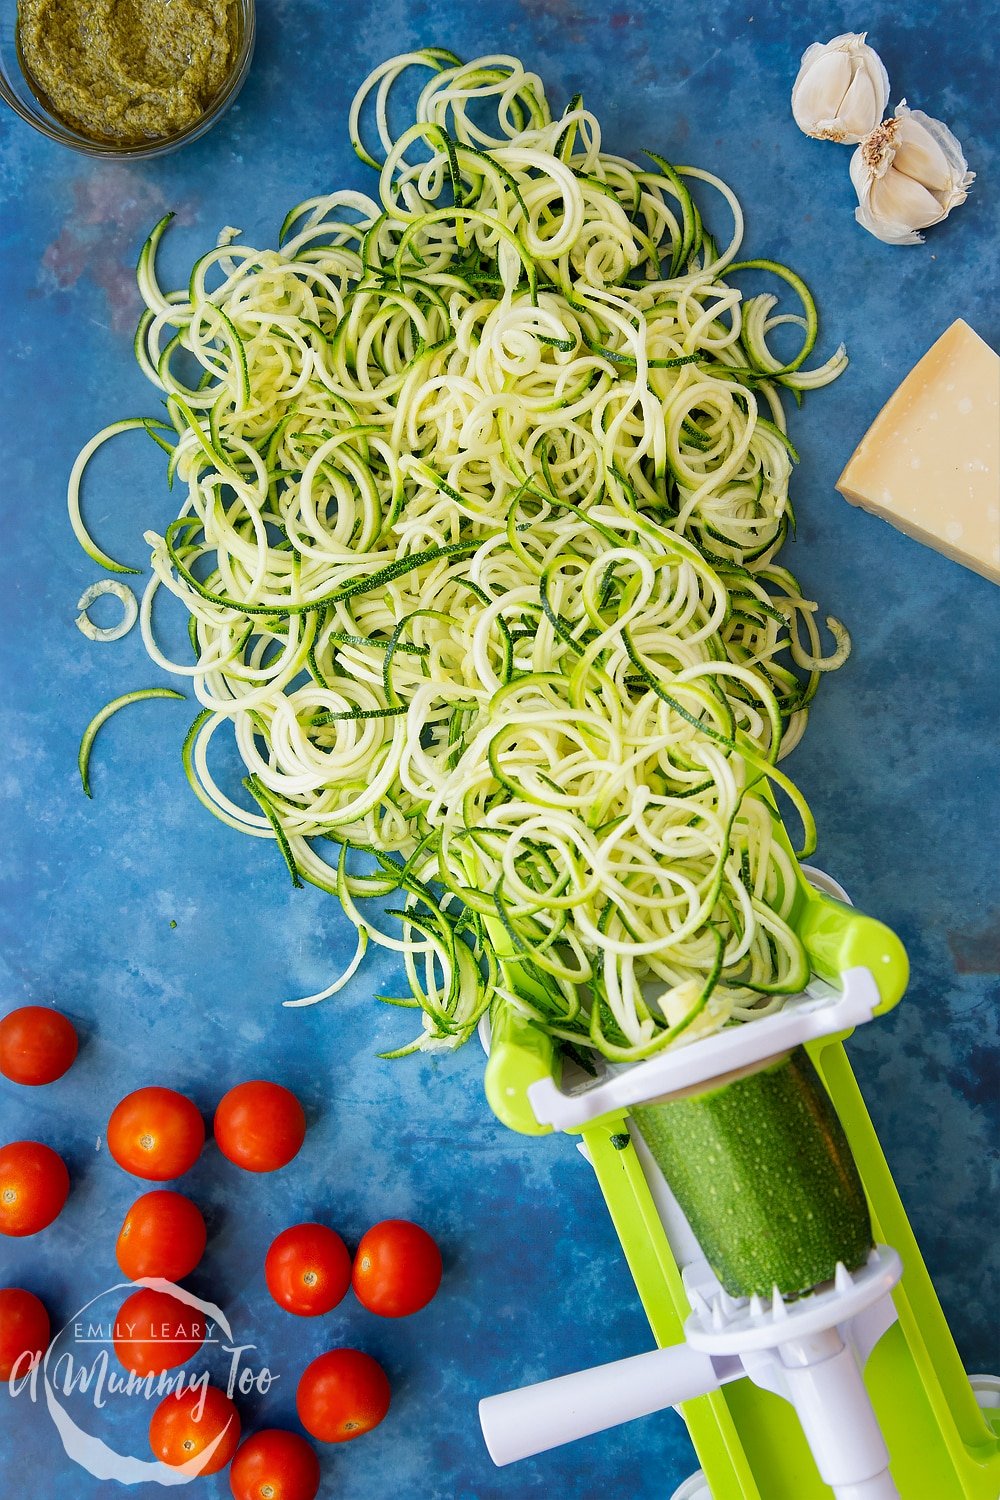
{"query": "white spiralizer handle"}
{"type": "Point", "coordinates": [822, 1380]}
{"type": "Point", "coordinates": [521, 1423]}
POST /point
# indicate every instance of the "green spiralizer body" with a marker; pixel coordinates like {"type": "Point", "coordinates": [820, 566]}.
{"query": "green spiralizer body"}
{"type": "Point", "coordinates": [751, 1441]}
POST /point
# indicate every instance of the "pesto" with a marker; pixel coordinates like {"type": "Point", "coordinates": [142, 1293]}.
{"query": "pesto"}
{"type": "Point", "coordinates": [128, 71]}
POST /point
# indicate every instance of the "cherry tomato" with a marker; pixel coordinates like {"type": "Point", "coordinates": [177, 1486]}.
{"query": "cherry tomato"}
{"type": "Point", "coordinates": [37, 1045]}
{"type": "Point", "coordinates": [275, 1465]}
{"type": "Point", "coordinates": [341, 1395]}
{"type": "Point", "coordinates": [156, 1134]}
{"type": "Point", "coordinates": [397, 1269]}
{"type": "Point", "coordinates": [260, 1126]}
{"type": "Point", "coordinates": [163, 1235]}
{"type": "Point", "coordinates": [155, 1331]}
{"type": "Point", "coordinates": [34, 1185]}
{"type": "Point", "coordinates": [308, 1269]}
{"type": "Point", "coordinates": [185, 1423]}
{"type": "Point", "coordinates": [24, 1331]}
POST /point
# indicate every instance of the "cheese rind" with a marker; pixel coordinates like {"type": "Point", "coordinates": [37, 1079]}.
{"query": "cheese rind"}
{"type": "Point", "coordinates": [930, 462]}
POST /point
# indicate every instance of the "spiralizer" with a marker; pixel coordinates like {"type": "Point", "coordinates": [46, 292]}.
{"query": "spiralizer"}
{"type": "Point", "coordinates": [720, 1161]}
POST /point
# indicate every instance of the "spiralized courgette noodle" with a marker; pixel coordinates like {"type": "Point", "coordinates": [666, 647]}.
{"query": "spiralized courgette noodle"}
{"type": "Point", "coordinates": [485, 478]}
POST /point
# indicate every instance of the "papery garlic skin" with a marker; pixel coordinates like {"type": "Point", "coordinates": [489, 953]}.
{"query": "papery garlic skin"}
{"type": "Point", "coordinates": [841, 91]}
{"type": "Point", "coordinates": [909, 173]}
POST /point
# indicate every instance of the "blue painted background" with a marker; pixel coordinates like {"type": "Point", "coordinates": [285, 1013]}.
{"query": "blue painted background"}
{"type": "Point", "coordinates": [900, 762]}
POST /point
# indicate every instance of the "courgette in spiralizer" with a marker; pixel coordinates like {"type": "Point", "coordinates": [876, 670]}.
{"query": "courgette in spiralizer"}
{"type": "Point", "coordinates": [765, 1177]}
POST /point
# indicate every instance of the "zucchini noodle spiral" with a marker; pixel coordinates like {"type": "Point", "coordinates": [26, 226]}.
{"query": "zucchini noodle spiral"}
{"type": "Point", "coordinates": [484, 483]}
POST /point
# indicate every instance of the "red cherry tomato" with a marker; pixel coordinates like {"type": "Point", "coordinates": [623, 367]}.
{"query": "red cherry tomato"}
{"type": "Point", "coordinates": [275, 1465]}
{"type": "Point", "coordinates": [156, 1134]}
{"type": "Point", "coordinates": [24, 1331]}
{"type": "Point", "coordinates": [34, 1185]}
{"type": "Point", "coordinates": [308, 1269]}
{"type": "Point", "coordinates": [341, 1395]}
{"type": "Point", "coordinates": [37, 1045]}
{"type": "Point", "coordinates": [186, 1423]}
{"type": "Point", "coordinates": [163, 1235]}
{"type": "Point", "coordinates": [155, 1331]}
{"type": "Point", "coordinates": [260, 1126]}
{"type": "Point", "coordinates": [397, 1269]}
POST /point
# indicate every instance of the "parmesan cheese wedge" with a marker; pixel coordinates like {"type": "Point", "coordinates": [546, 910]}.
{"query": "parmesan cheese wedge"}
{"type": "Point", "coordinates": [930, 462]}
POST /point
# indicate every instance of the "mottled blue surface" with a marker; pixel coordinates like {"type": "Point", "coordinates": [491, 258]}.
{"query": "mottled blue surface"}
{"type": "Point", "coordinates": [900, 763]}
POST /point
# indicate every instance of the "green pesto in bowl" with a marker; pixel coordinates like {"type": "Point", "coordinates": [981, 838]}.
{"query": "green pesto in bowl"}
{"type": "Point", "coordinates": [126, 72]}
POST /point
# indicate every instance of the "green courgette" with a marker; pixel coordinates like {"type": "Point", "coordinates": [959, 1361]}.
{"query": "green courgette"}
{"type": "Point", "coordinates": [765, 1176]}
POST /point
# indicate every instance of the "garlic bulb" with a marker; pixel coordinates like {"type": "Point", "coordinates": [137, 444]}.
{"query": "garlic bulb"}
{"type": "Point", "coordinates": [841, 91]}
{"type": "Point", "coordinates": [909, 173]}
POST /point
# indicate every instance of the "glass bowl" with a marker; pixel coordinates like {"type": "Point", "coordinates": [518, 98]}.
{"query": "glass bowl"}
{"type": "Point", "coordinates": [14, 88]}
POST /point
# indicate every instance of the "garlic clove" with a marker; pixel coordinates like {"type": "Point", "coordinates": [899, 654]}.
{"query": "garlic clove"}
{"type": "Point", "coordinates": [860, 105]}
{"type": "Point", "coordinates": [920, 157]}
{"type": "Point", "coordinates": [895, 215]}
{"type": "Point", "coordinates": [929, 152]}
{"type": "Point", "coordinates": [897, 199]}
{"type": "Point", "coordinates": [841, 90]}
{"type": "Point", "coordinates": [889, 234]}
{"type": "Point", "coordinates": [908, 173]}
{"type": "Point", "coordinates": [816, 99]}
